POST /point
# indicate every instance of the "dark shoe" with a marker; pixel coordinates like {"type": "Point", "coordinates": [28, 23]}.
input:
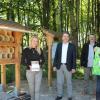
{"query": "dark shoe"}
{"type": "Point", "coordinates": [58, 98]}
{"type": "Point", "coordinates": [69, 98]}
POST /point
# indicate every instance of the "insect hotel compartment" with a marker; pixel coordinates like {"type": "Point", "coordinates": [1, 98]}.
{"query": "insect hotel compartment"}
{"type": "Point", "coordinates": [6, 36]}
{"type": "Point", "coordinates": [7, 53]}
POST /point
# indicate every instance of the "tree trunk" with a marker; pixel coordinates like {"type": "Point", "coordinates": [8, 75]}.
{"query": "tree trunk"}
{"type": "Point", "coordinates": [46, 13]}
{"type": "Point", "coordinates": [54, 15]}
{"type": "Point", "coordinates": [88, 22]}
{"type": "Point", "coordinates": [98, 17]}
{"type": "Point", "coordinates": [73, 27]}
{"type": "Point", "coordinates": [61, 15]}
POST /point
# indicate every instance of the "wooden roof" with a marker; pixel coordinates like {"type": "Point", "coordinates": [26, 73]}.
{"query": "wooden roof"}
{"type": "Point", "coordinates": [13, 26]}
{"type": "Point", "coordinates": [56, 35]}
{"type": "Point", "coordinates": [51, 32]}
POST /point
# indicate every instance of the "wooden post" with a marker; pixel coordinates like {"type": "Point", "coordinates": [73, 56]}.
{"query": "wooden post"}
{"type": "Point", "coordinates": [49, 42]}
{"type": "Point", "coordinates": [17, 76]}
{"type": "Point", "coordinates": [18, 39]}
{"type": "Point", "coordinates": [3, 76]}
{"type": "Point", "coordinates": [49, 66]}
{"type": "Point", "coordinates": [49, 38]}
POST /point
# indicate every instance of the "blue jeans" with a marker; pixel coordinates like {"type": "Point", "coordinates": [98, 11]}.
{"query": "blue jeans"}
{"type": "Point", "coordinates": [98, 88]}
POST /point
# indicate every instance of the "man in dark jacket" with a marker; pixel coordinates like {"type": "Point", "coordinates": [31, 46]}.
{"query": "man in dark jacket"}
{"type": "Point", "coordinates": [65, 64]}
{"type": "Point", "coordinates": [87, 56]}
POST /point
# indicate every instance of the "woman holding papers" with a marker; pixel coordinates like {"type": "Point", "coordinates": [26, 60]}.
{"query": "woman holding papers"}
{"type": "Point", "coordinates": [33, 58]}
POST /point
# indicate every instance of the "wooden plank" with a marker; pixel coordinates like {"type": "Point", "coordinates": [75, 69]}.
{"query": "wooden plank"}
{"type": "Point", "coordinates": [17, 76]}
{"type": "Point", "coordinates": [49, 43]}
{"type": "Point", "coordinates": [8, 61]}
{"type": "Point", "coordinates": [49, 33]}
{"type": "Point", "coordinates": [8, 44]}
{"type": "Point", "coordinates": [15, 29]}
{"type": "Point", "coordinates": [18, 40]}
{"type": "Point", "coordinates": [49, 67]}
{"type": "Point", "coordinates": [3, 76]}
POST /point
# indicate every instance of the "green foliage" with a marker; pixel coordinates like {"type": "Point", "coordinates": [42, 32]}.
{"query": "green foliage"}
{"type": "Point", "coordinates": [10, 73]}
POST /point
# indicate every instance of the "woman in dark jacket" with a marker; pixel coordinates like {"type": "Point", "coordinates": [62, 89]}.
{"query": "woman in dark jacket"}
{"type": "Point", "coordinates": [33, 58]}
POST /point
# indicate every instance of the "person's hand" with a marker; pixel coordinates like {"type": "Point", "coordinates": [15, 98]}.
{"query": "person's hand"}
{"type": "Point", "coordinates": [54, 69]}
{"type": "Point", "coordinates": [40, 60]}
{"type": "Point", "coordinates": [30, 66]}
{"type": "Point", "coordinates": [73, 71]}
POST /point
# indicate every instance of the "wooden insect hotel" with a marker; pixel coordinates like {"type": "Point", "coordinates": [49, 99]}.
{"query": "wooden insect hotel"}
{"type": "Point", "coordinates": [10, 44]}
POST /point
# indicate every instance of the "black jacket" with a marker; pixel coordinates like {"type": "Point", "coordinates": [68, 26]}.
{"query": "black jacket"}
{"type": "Point", "coordinates": [71, 57]}
{"type": "Point", "coordinates": [84, 54]}
{"type": "Point", "coordinates": [31, 54]}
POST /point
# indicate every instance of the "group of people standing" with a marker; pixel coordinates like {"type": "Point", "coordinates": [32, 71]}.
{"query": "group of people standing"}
{"type": "Point", "coordinates": [64, 65]}
{"type": "Point", "coordinates": [87, 61]}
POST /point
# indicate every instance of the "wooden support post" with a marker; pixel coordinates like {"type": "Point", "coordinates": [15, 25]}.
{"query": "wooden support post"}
{"type": "Point", "coordinates": [17, 68]}
{"type": "Point", "coordinates": [49, 66]}
{"type": "Point", "coordinates": [18, 39]}
{"type": "Point", "coordinates": [49, 38]}
{"type": "Point", "coordinates": [49, 42]}
{"type": "Point", "coordinates": [3, 76]}
{"type": "Point", "coordinates": [17, 76]}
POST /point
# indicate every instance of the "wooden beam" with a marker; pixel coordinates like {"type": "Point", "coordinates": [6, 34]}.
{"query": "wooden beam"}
{"type": "Point", "coordinates": [8, 61]}
{"type": "Point", "coordinates": [48, 33]}
{"type": "Point", "coordinates": [3, 76]}
{"type": "Point", "coordinates": [49, 43]}
{"type": "Point", "coordinates": [15, 29]}
{"type": "Point", "coordinates": [8, 44]}
{"type": "Point", "coordinates": [18, 40]}
{"type": "Point", "coordinates": [17, 76]}
{"type": "Point", "coordinates": [49, 67]}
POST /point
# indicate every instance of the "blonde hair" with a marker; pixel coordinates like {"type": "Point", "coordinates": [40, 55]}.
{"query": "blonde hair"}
{"type": "Point", "coordinates": [30, 44]}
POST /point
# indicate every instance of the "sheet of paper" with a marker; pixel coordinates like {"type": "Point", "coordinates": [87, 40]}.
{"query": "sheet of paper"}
{"type": "Point", "coordinates": [35, 67]}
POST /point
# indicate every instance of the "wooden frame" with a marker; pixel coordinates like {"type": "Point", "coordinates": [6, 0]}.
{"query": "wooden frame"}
{"type": "Point", "coordinates": [14, 60]}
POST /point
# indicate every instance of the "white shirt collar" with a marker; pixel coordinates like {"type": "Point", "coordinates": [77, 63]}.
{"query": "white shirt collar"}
{"type": "Point", "coordinates": [65, 43]}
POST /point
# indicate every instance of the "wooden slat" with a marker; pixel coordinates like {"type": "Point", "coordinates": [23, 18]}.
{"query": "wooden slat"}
{"type": "Point", "coordinates": [8, 44]}
{"type": "Point", "coordinates": [8, 61]}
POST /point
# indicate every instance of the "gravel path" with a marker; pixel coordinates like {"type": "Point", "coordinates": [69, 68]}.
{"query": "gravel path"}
{"type": "Point", "coordinates": [50, 93]}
